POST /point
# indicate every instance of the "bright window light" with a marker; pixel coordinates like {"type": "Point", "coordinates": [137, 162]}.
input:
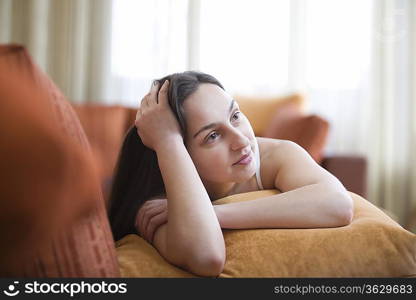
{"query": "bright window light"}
{"type": "Point", "coordinates": [338, 37]}
{"type": "Point", "coordinates": [245, 44]}
{"type": "Point", "coordinates": [148, 37]}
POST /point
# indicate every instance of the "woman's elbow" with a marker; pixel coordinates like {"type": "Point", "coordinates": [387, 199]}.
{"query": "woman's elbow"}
{"type": "Point", "coordinates": [345, 209]}
{"type": "Point", "coordinates": [339, 208]}
{"type": "Point", "coordinates": [208, 266]}
{"type": "Point", "coordinates": [345, 218]}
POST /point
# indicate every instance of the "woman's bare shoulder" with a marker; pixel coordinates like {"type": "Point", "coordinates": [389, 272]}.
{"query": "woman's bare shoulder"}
{"type": "Point", "coordinates": [270, 150]}
{"type": "Point", "coordinates": [269, 146]}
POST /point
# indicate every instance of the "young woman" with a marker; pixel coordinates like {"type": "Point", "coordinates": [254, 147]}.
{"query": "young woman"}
{"type": "Point", "coordinates": [191, 145]}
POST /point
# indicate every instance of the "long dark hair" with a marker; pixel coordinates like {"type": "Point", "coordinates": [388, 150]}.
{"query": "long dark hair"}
{"type": "Point", "coordinates": [137, 176]}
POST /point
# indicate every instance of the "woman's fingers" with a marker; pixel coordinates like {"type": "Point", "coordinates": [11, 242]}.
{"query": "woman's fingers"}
{"type": "Point", "coordinates": [157, 123]}
{"type": "Point", "coordinates": [154, 224]}
{"type": "Point", "coordinates": [138, 116]}
{"type": "Point", "coordinates": [141, 214]}
{"type": "Point", "coordinates": [152, 96]}
{"type": "Point", "coordinates": [145, 211]}
{"type": "Point", "coordinates": [146, 102]}
{"type": "Point", "coordinates": [150, 213]}
{"type": "Point", "coordinates": [163, 93]}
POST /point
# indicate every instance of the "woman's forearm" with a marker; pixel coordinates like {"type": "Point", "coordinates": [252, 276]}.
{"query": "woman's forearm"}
{"type": "Point", "coordinates": [192, 225]}
{"type": "Point", "coordinates": [312, 206]}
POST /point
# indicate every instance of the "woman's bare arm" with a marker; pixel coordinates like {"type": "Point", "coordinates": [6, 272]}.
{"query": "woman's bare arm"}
{"type": "Point", "coordinates": [192, 237]}
{"type": "Point", "coordinates": [311, 197]}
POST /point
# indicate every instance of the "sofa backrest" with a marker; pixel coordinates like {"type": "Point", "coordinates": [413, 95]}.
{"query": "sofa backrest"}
{"type": "Point", "coordinates": [261, 110]}
{"type": "Point", "coordinates": [105, 127]}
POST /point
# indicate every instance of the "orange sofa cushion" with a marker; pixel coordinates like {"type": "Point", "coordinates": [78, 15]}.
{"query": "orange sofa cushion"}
{"type": "Point", "coordinates": [260, 111]}
{"type": "Point", "coordinates": [54, 223]}
{"type": "Point", "coordinates": [373, 245]}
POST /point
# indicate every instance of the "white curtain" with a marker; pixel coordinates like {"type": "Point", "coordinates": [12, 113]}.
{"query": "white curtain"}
{"type": "Point", "coordinates": [101, 50]}
{"type": "Point", "coordinates": [352, 59]}
{"type": "Point", "coordinates": [392, 134]}
{"type": "Point", "coordinates": [411, 220]}
{"type": "Point", "coordinates": [68, 39]}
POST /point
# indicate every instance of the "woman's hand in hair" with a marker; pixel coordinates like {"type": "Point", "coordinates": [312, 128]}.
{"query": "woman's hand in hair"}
{"type": "Point", "coordinates": [156, 124]}
{"type": "Point", "coordinates": [150, 216]}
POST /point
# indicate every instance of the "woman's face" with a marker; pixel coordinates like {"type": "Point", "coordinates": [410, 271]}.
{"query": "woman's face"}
{"type": "Point", "coordinates": [218, 136]}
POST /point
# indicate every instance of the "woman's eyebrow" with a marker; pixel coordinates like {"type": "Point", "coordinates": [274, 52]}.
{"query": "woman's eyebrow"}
{"type": "Point", "coordinates": [209, 126]}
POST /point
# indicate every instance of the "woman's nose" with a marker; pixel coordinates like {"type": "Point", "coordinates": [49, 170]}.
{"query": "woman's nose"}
{"type": "Point", "coordinates": [239, 140]}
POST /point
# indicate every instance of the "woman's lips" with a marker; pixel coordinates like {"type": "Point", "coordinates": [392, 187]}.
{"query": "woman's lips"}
{"type": "Point", "coordinates": [246, 159]}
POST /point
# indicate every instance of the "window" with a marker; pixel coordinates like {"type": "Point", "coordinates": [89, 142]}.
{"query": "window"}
{"type": "Point", "coordinates": [337, 43]}
{"type": "Point", "coordinates": [245, 44]}
{"type": "Point", "coordinates": [148, 41]}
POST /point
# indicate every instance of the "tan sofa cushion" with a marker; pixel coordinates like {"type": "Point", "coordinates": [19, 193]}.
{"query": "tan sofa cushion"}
{"type": "Point", "coordinates": [54, 223]}
{"type": "Point", "coordinates": [373, 245]}
{"type": "Point", "coordinates": [138, 258]}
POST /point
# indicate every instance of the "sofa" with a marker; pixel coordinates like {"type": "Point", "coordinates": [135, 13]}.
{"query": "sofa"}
{"type": "Point", "coordinates": [56, 168]}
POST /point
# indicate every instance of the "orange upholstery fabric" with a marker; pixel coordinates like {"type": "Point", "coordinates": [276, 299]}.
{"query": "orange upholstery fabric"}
{"type": "Point", "coordinates": [131, 116]}
{"type": "Point", "coordinates": [308, 131]}
{"type": "Point", "coordinates": [54, 222]}
{"type": "Point", "coordinates": [36, 164]}
{"type": "Point", "coordinates": [137, 258]}
{"type": "Point", "coordinates": [350, 170]}
{"type": "Point", "coordinates": [105, 127]}
{"type": "Point", "coordinates": [284, 118]}
{"type": "Point", "coordinates": [260, 111]}
{"type": "Point", "coordinates": [373, 245]}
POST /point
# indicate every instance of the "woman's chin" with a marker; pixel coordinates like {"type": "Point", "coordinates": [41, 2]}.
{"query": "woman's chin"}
{"type": "Point", "coordinates": [243, 175]}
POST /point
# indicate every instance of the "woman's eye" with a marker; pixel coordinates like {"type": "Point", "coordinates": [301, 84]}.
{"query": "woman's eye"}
{"type": "Point", "coordinates": [236, 114]}
{"type": "Point", "coordinates": [214, 134]}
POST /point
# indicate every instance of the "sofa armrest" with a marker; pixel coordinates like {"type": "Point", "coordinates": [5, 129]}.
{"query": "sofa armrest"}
{"type": "Point", "coordinates": [350, 170]}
